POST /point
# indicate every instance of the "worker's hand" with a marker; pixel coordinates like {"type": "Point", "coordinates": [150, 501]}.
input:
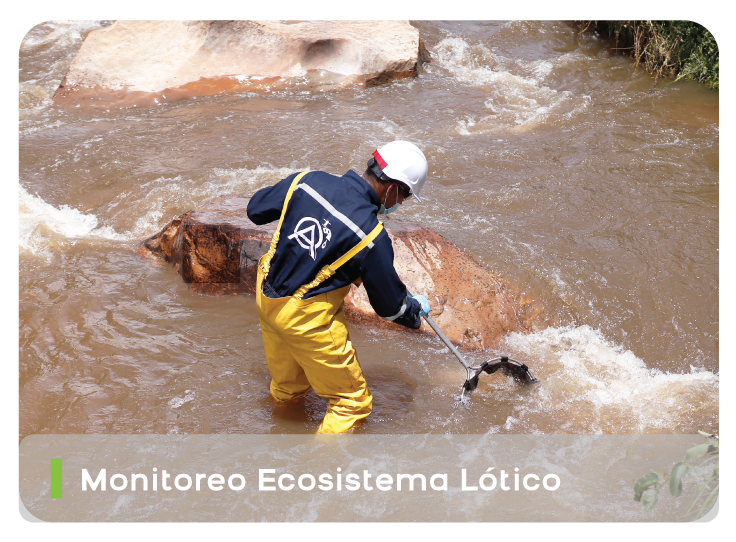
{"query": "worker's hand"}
{"type": "Point", "coordinates": [424, 303]}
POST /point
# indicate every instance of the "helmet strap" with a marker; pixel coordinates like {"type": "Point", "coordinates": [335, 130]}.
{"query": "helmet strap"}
{"type": "Point", "coordinates": [377, 171]}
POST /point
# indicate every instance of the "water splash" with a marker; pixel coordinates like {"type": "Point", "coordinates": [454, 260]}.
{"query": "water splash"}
{"type": "Point", "coordinates": [608, 387]}
{"type": "Point", "coordinates": [520, 97]}
{"type": "Point", "coordinates": [42, 225]}
{"type": "Point", "coordinates": [145, 209]}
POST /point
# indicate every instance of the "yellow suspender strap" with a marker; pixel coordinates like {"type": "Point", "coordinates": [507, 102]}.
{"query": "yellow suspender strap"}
{"type": "Point", "coordinates": [357, 248]}
{"type": "Point", "coordinates": [266, 264]}
{"type": "Point", "coordinates": [328, 270]}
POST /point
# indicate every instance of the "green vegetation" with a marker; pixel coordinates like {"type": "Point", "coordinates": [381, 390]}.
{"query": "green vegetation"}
{"type": "Point", "coordinates": [702, 462]}
{"type": "Point", "coordinates": [681, 49]}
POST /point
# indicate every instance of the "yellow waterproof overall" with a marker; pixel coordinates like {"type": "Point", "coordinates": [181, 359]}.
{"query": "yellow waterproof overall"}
{"type": "Point", "coordinates": [307, 341]}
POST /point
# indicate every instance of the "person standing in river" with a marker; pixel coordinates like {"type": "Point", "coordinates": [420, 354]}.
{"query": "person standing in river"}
{"type": "Point", "coordinates": [328, 237]}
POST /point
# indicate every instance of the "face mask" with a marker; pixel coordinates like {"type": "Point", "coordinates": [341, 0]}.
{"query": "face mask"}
{"type": "Point", "coordinates": [382, 210]}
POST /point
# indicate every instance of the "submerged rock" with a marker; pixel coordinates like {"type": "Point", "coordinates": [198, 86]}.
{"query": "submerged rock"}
{"type": "Point", "coordinates": [216, 249]}
{"type": "Point", "coordinates": [146, 62]}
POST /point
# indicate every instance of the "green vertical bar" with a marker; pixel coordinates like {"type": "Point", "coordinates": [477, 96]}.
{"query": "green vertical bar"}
{"type": "Point", "coordinates": [56, 481]}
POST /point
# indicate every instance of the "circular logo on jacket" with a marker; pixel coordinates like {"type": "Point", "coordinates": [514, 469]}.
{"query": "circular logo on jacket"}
{"type": "Point", "coordinates": [306, 233]}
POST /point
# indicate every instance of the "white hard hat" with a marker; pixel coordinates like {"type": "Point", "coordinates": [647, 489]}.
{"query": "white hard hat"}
{"type": "Point", "coordinates": [404, 162]}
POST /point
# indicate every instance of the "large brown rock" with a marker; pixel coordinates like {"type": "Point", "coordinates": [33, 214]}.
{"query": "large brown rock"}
{"type": "Point", "coordinates": [144, 62]}
{"type": "Point", "coordinates": [216, 249]}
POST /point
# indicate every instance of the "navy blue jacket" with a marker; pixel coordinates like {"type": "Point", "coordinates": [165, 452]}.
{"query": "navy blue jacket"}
{"type": "Point", "coordinates": [320, 225]}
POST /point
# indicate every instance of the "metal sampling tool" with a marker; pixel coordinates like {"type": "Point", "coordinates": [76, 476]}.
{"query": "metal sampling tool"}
{"type": "Point", "coordinates": [508, 366]}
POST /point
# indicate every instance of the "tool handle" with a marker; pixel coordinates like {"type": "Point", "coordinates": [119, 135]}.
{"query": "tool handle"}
{"type": "Point", "coordinates": [444, 338]}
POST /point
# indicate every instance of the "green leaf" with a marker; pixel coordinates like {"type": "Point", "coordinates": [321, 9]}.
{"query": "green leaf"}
{"type": "Point", "coordinates": [706, 435]}
{"type": "Point", "coordinates": [643, 483]}
{"type": "Point", "coordinates": [697, 451]}
{"type": "Point", "coordinates": [650, 499]}
{"type": "Point", "coordinates": [678, 471]}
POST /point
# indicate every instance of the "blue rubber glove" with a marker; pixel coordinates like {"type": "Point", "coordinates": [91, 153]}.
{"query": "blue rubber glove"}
{"type": "Point", "coordinates": [424, 303]}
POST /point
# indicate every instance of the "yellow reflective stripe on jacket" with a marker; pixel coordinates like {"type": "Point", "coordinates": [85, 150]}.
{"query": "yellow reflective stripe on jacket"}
{"type": "Point", "coordinates": [265, 264]}
{"type": "Point", "coordinates": [329, 270]}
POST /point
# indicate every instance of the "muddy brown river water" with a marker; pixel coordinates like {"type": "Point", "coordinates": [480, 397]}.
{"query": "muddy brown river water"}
{"type": "Point", "coordinates": [552, 162]}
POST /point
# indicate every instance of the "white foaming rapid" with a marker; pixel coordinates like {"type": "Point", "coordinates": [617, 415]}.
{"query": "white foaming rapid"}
{"type": "Point", "coordinates": [136, 213]}
{"type": "Point", "coordinates": [58, 33]}
{"type": "Point", "coordinates": [164, 198]}
{"type": "Point", "coordinates": [595, 383]}
{"type": "Point", "coordinates": [43, 226]}
{"type": "Point", "coordinates": [519, 96]}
